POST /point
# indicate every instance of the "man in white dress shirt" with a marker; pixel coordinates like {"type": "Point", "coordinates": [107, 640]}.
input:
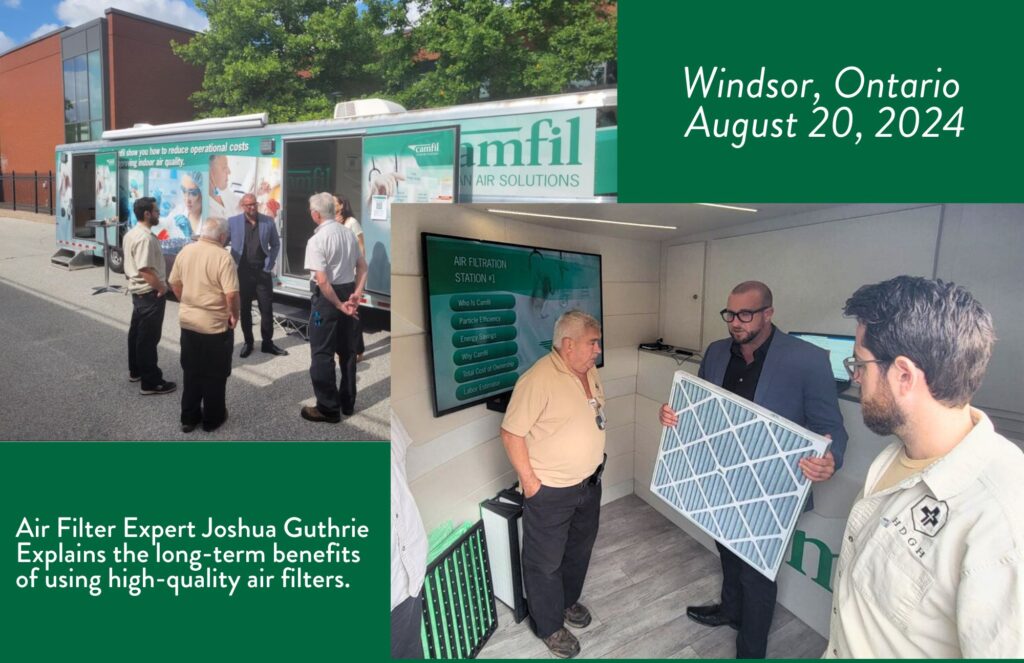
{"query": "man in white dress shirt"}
{"type": "Point", "coordinates": [333, 257]}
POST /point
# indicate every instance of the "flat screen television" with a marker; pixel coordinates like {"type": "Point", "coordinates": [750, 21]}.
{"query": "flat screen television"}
{"type": "Point", "coordinates": [491, 310]}
{"type": "Point", "coordinates": [839, 347]}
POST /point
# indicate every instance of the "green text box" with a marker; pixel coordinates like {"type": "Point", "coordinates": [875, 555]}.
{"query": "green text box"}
{"type": "Point", "coordinates": [483, 319]}
{"type": "Point", "coordinates": [484, 387]}
{"type": "Point", "coordinates": [483, 352]}
{"type": "Point", "coordinates": [842, 137]}
{"type": "Point", "coordinates": [481, 302]}
{"type": "Point", "coordinates": [462, 339]}
{"type": "Point", "coordinates": [485, 369]}
{"type": "Point", "coordinates": [168, 483]}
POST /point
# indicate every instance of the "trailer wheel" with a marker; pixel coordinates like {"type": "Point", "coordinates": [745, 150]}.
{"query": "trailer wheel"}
{"type": "Point", "coordinates": [115, 258]}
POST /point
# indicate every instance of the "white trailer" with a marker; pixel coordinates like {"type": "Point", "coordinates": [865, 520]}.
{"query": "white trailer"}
{"type": "Point", "coordinates": [542, 149]}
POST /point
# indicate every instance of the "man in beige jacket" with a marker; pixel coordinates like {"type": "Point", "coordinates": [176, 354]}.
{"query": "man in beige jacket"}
{"type": "Point", "coordinates": [932, 564]}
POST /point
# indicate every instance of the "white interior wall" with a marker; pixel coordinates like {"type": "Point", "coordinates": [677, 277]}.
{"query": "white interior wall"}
{"type": "Point", "coordinates": [982, 248]}
{"type": "Point", "coordinates": [348, 175]}
{"type": "Point", "coordinates": [458, 460]}
{"type": "Point", "coordinates": [682, 295]}
{"type": "Point", "coordinates": [812, 262]}
{"type": "Point", "coordinates": [813, 269]}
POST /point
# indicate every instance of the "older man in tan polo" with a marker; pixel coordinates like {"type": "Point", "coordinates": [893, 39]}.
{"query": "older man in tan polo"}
{"type": "Point", "coordinates": [554, 435]}
{"type": "Point", "coordinates": [205, 281]}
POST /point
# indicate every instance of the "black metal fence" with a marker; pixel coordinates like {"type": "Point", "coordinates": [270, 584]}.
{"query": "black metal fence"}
{"type": "Point", "coordinates": [29, 192]}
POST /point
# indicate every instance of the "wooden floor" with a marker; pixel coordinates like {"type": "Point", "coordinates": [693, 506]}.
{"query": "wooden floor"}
{"type": "Point", "coordinates": [643, 573]}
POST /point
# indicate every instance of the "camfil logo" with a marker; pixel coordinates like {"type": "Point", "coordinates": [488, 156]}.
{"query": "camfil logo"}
{"type": "Point", "coordinates": [426, 149]}
{"type": "Point", "coordinates": [546, 142]}
{"type": "Point", "coordinates": [826, 558]}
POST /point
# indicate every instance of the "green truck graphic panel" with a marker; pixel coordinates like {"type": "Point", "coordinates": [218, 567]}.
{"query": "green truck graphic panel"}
{"type": "Point", "coordinates": [410, 167]}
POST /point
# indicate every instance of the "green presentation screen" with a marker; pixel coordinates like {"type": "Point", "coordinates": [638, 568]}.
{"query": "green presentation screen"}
{"type": "Point", "coordinates": [492, 311]}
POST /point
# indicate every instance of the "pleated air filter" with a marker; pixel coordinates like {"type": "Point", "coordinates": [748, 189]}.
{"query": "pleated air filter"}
{"type": "Point", "coordinates": [458, 599]}
{"type": "Point", "coordinates": [731, 467]}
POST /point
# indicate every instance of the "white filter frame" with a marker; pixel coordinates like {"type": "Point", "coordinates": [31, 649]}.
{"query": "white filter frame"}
{"type": "Point", "coordinates": [731, 468]}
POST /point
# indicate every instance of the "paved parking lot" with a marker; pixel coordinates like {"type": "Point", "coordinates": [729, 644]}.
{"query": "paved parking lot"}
{"type": "Point", "coordinates": [64, 370]}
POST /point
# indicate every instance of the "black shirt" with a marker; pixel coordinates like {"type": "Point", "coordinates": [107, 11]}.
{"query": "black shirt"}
{"type": "Point", "coordinates": [740, 377]}
{"type": "Point", "coordinates": [254, 254]}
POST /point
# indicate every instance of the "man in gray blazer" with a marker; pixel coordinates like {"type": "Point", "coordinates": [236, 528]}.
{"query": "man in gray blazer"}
{"type": "Point", "coordinates": [254, 246]}
{"type": "Point", "coordinates": [793, 379]}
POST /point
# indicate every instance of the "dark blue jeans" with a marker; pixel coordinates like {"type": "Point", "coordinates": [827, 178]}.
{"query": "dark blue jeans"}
{"type": "Point", "coordinates": [333, 333]}
{"type": "Point", "coordinates": [143, 337]}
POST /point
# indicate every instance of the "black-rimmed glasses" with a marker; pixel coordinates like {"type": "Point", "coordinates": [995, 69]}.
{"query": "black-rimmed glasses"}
{"type": "Point", "coordinates": [854, 366]}
{"type": "Point", "coordinates": [745, 315]}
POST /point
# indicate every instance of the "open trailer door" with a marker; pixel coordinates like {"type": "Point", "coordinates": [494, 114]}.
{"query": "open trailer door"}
{"type": "Point", "coordinates": [403, 167]}
{"type": "Point", "coordinates": [106, 209]}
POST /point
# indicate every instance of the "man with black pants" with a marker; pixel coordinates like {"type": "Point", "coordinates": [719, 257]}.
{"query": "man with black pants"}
{"type": "Point", "coordinates": [205, 281]}
{"type": "Point", "coordinates": [254, 246]}
{"type": "Point", "coordinates": [793, 379]}
{"type": "Point", "coordinates": [332, 256]}
{"type": "Point", "coordinates": [553, 433]}
{"type": "Point", "coordinates": [146, 271]}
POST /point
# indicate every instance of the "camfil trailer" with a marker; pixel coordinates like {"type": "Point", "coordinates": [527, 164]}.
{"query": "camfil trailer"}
{"type": "Point", "coordinates": [558, 148]}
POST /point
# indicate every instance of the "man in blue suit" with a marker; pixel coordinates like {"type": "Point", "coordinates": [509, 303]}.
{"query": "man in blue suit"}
{"type": "Point", "coordinates": [254, 246]}
{"type": "Point", "coordinates": [793, 379]}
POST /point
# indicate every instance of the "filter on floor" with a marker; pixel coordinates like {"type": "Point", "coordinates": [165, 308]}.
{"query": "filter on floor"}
{"type": "Point", "coordinates": [502, 518]}
{"type": "Point", "coordinates": [459, 614]}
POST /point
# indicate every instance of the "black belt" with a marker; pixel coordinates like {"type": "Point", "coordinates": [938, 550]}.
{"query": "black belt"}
{"type": "Point", "coordinates": [595, 478]}
{"type": "Point", "coordinates": [315, 289]}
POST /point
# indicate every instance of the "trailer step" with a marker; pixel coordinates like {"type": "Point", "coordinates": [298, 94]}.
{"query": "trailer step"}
{"type": "Point", "coordinates": [292, 319]}
{"type": "Point", "coordinates": [70, 259]}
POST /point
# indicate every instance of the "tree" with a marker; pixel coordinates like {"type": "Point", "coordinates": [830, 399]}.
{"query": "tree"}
{"type": "Point", "coordinates": [465, 50]}
{"type": "Point", "coordinates": [296, 58]}
{"type": "Point", "coordinates": [290, 58]}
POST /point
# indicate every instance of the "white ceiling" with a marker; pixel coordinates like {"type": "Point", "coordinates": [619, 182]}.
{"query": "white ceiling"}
{"type": "Point", "coordinates": [687, 219]}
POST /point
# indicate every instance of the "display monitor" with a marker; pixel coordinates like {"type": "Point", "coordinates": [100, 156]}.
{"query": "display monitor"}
{"type": "Point", "coordinates": [492, 309]}
{"type": "Point", "coordinates": [839, 347]}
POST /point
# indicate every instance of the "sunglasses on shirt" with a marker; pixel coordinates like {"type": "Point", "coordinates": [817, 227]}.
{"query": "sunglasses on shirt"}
{"type": "Point", "coordinates": [599, 418]}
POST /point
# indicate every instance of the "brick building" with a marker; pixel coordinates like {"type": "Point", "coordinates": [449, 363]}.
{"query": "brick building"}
{"type": "Point", "coordinates": [74, 83]}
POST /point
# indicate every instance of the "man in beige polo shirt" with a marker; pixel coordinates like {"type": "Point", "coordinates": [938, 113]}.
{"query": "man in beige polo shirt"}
{"type": "Point", "coordinates": [205, 281]}
{"type": "Point", "coordinates": [554, 436]}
